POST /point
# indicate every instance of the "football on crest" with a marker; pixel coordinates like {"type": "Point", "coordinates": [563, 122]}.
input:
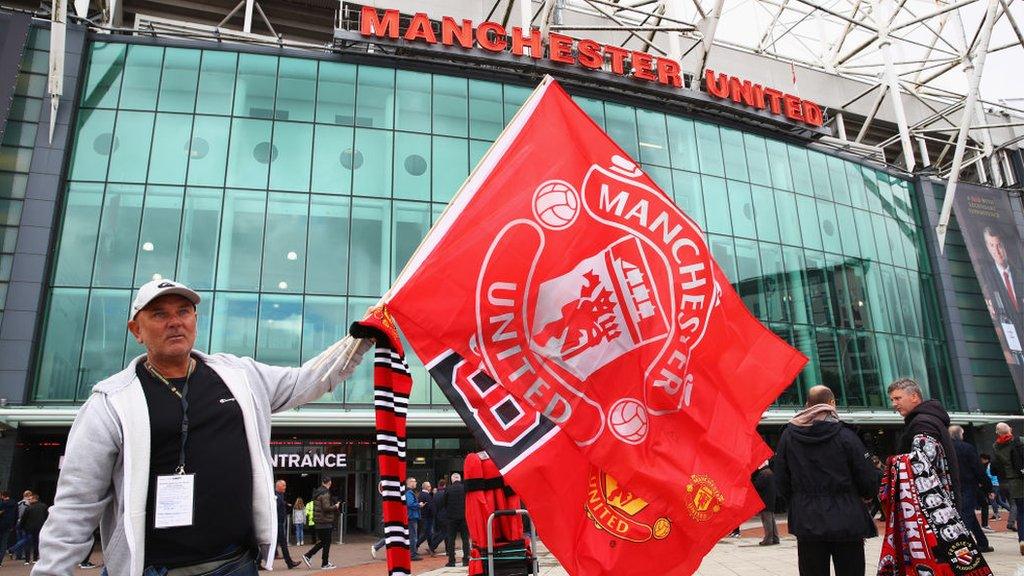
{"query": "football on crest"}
{"type": "Point", "coordinates": [628, 420]}
{"type": "Point", "coordinates": [556, 205]}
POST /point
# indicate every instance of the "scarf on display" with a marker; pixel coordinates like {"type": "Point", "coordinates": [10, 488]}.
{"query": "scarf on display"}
{"type": "Point", "coordinates": [924, 535]}
{"type": "Point", "coordinates": [392, 383]}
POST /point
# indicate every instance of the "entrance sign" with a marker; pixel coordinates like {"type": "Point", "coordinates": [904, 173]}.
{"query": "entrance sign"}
{"type": "Point", "coordinates": [309, 461]}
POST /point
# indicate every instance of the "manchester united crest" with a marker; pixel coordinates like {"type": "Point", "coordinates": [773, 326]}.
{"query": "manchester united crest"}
{"type": "Point", "coordinates": [703, 499]}
{"type": "Point", "coordinates": [618, 511]}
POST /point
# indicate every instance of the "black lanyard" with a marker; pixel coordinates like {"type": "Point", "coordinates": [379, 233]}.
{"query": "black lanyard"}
{"type": "Point", "coordinates": [183, 396]}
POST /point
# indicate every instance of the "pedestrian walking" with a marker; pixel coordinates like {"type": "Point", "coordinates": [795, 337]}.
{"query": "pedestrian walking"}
{"type": "Point", "coordinates": [171, 456]}
{"type": "Point", "coordinates": [32, 522]}
{"type": "Point", "coordinates": [440, 517]}
{"type": "Point", "coordinates": [310, 525]}
{"type": "Point", "coordinates": [823, 470]}
{"type": "Point", "coordinates": [764, 482]}
{"type": "Point", "coordinates": [454, 504]}
{"type": "Point", "coordinates": [283, 516]}
{"type": "Point", "coordinates": [299, 521]}
{"type": "Point", "coordinates": [1008, 464]}
{"type": "Point", "coordinates": [8, 520]}
{"type": "Point", "coordinates": [381, 542]}
{"type": "Point", "coordinates": [325, 510]}
{"type": "Point", "coordinates": [21, 540]}
{"type": "Point", "coordinates": [427, 509]}
{"type": "Point", "coordinates": [972, 479]}
{"type": "Point", "coordinates": [413, 505]}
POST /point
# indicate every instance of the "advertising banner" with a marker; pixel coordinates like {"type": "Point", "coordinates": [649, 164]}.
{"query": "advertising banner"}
{"type": "Point", "coordinates": [994, 243]}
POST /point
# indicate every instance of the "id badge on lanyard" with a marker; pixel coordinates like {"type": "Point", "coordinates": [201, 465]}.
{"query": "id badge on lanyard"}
{"type": "Point", "coordinates": [174, 505]}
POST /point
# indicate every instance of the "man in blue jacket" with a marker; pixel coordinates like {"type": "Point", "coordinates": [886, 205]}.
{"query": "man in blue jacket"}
{"type": "Point", "coordinates": [8, 520]}
{"type": "Point", "coordinates": [412, 500]}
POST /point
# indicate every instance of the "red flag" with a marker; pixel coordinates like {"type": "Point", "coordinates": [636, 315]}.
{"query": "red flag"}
{"type": "Point", "coordinates": [566, 274]}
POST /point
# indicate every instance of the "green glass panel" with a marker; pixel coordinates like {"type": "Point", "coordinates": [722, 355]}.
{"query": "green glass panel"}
{"type": "Point", "coordinates": [453, 154]}
{"type": "Point", "coordinates": [819, 175]}
{"type": "Point", "coordinates": [10, 212]}
{"type": "Point", "coordinates": [369, 267]}
{"type": "Point", "coordinates": [514, 98]}
{"type": "Point", "coordinates": [284, 243]}
{"type": "Point", "coordinates": [682, 144]}
{"type": "Point", "coordinates": [809, 227]}
{"type": "Point", "coordinates": [359, 388]}
{"type": "Point", "coordinates": [27, 109]}
{"type": "Point", "coordinates": [233, 326]}
{"type": "Point", "coordinates": [412, 167]}
{"type": "Point", "coordinates": [158, 239]}
{"type": "Point", "coordinates": [15, 159]}
{"type": "Point", "coordinates": [778, 161]}
{"type": "Point", "coordinates": [789, 221]}
{"type": "Point", "coordinates": [33, 85]}
{"type": "Point", "coordinates": [216, 82]}
{"type": "Point", "coordinates": [20, 134]}
{"type": "Point", "coordinates": [78, 234]}
{"type": "Point", "coordinates": [129, 157]}
{"type": "Point", "coordinates": [412, 101]}
{"type": "Point", "coordinates": [848, 231]}
{"type": "Point", "coordinates": [749, 281]}
{"type": "Point", "coordinates": [881, 238]}
{"type": "Point", "coordinates": [118, 235]}
{"type": "Point", "coordinates": [872, 188]}
{"type": "Point", "coordinates": [866, 235]}
{"type": "Point", "coordinates": [327, 263]}
{"type": "Point", "coordinates": [716, 205]}
{"type": "Point", "coordinates": [837, 179]}
{"type": "Point", "coordinates": [797, 294]}
{"type": "Point", "coordinates": [801, 170]}
{"type": "Point", "coordinates": [858, 198]}
{"type": "Point", "coordinates": [103, 346]}
{"type": "Point", "coordinates": [179, 80]}
{"type": "Point", "coordinates": [62, 344]}
{"type": "Point", "coordinates": [896, 238]}
{"type": "Point", "coordinates": [336, 94]}
{"type": "Point", "coordinates": [38, 39]}
{"type": "Point", "coordinates": [819, 296]}
{"type": "Point", "coordinates": [662, 178]}
{"type": "Point", "coordinates": [741, 209]}
{"type": "Point", "coordinates": [279, 332]}
{"type": "Point", "coordinates": [203, 321]}
{"type": "Point", "coordinates": [168, 159]}
{"type": "Point", "coordinates": [688, 195]}
{"type": "Point", "coordinates": [13, 184]}
{"type": "Point", "coordinates": [241, 240]}
{"type": "Point", "coordinates": [724, 253]}
{"type": "Point", "coordinates": [593, 107]}
{"type": "Point", "coordinates": [451, 106]}
{"type": "Point", "coordinates": [93, 140]}
{"type": "Point", "coordinates": [103, 80]}
{"type": "Point", "coordinates": [653, 137]}
{"type": "Point", "coordinates": [709, 149]}
{"type": "Point", "coordinates": [255, 86]}
{"type": "Point", "coordinates": [829, 227]}
{"type": "Point", "coordinates": [251, 154]}
{"type": "Point", "coordinates": [200, 232]}
{"type": "Point", "coordinates": [765, 215]}
{"type": "Point", "coordinates": [773, 282]}
{"type": "Point", "coordinates": [141, 77]}
{"type": "Point", "coordinates": [296, 90]}
{"type": "Point", "coordinates": [477, 149]}
{"type": "Point", "coordinates": [35, 61]}
{"type": "Point", "coordinates": [208, 150]}
{"type": "Point", "coordinates": [332, 160]}
{"type": "Point", "coordinates": [733, 155]}
{"type": "Point", "coordinates": [375, 94]}
{"type": "Point", "coordinates": [411, 222]}
{"type": "Point", "coordinates": [372, 162]}
{"type": "Point", "coordinates": [485, 117]}
{"type": "Point", "coordinates": [294, 145]}
{"type": "Point", "coordinates": [323, 323]}
{"type": "Point", "coordinates": [757, 160]}
{"type": "Point", "coordinates": [621, 127]}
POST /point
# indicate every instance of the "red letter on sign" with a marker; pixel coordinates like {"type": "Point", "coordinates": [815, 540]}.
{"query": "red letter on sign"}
{"type": "Point", "coordinates": [451, 31]}
{"type": "Point", "coordinates": [420, 29]}
{"type": "Point", "coordinates": [774, 100]}
{"type": "Point", "coordinates": [719, 89]}
{"type": "Point", "coordinates": [618, 59]}
{"type": "Point", "coordinates": [668, 72]}
{"type": "Point", "coordinates": [792, 106]}
{"type": "Point", "coordinates": [812, 113]}
{"type": "Point", "coordinates": [483, 38]}
{"type": "Point", "coordinates": [643, 66]}
{"type": "Point", "coordinates": [590, 54]}
{"type": "Point", "coordinates": [561, 48]}
{"type": "Point", "coordinates": [369, 25]}
{"type": "Point", "coordinates": [533, 42]}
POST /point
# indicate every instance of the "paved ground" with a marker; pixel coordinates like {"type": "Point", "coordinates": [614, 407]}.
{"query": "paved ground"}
{"type": "Point", "coordinates": [731, 557]}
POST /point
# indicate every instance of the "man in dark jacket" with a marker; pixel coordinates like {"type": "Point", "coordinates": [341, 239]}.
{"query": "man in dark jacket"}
{"type": "Point", "coordinates": [454, 503]}
{"type": "Point", "coordinates": [427, 508]}
{"type": "Point", "coordinates": [284, 514]}
{"type": "Point", "coordinates": [8, 520]}
{"type": "Point", "coordinates": [325, 509]}
{"type": "Point", "coordinates": [32, 521]}
{"type": "Point", "coordinates": [1008, 466]}
{"type": "Point", "coordinates": [924, 417]}
{"type": "Point", "coordinates": [440, 516]}
{"type": "Point", "coordinates": [824, 471]}
{"type": "Point", "coordinates": [972, 479]}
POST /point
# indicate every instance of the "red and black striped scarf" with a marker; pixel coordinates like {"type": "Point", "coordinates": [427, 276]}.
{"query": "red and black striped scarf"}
{"type": "Point", "coordinates": [392, 383]}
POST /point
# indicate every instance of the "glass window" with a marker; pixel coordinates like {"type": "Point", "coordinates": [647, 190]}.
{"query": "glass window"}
{"type": "Point", "coordinates": [797, 293]}
{"type": "Point", "coordinates": [451, 106]}
{"type": "Point", "coordinates": [216, 82]}
{"type": "Point", "coordinates": [10, 213]}
{"type": "Point", "coordinates": [412, 101]}
{"type": "Point", "coordinates": [773, 282]}
{"type": "Point", "coordinates": [621, 127]}
{"type": "Point", "coordinates": [716, 205]}
{"type": "Point", "coordinates": [809, 227]}
{"type": "Point", "coordinates": [789, 221]}
{"type": "Point", "coordinates": [168, 159]}
{"type": "Point", "coordinates": [847, 231]}
{"type": "Point", "coordinates": [412, 220]}
{"type": "Point", "coordinates": [239, 257]}
{"type": "Point", "coordinates": [593, 108]}
{"type": "Point", "coordinates": [293, 143]}
{"type": "Point", "coordinates": [27, 109]}
{"type": "Point", "coordinates": [200, 232]}
{"type": "Point", "coordinates": [336, 94]}
{"type": "Point", "coordinates": [662, 178]}
{"type": "Point", "coordinates": [103, 84]}
{"type": "Point", "coordinates": [829, 227]}
{"type": "Point", "coordinates": [837, 179]}
{"type": "Point", "coordinates": [15, 159]}
{"type": "Point", "coordinates": [485, 119]}
{"type": "Point", "coordinates": [141, 77]}
{"type": "Point", "coordinates": [375, 97]}
{"type": "Point", "coordinates": [453, 155]}
{"type": "Point", "coordinates": [371, 162]}
{"type": "Point", "coordinates": [296, 90]}
{"type": "Point", "coordinates": [251, 154]}
{"type": "Point", "coordinates": [682, 142]}
{"type": "Point", "coordinates": [255, 86]}
{"type": "Point", "coordinates": [896, 238]}
{"type": "Point", "coordinates": [369, 266]}
{"type": "Point", "coordinates": [858, 198]}
{"type": "Point", "coordinates": [477, 149]}
{"type": "Point", "coordinates": [279, 335]}
{"type": "Point", "coordinates": [800, 170]}
{"type": "Point", "coordinates": [78, 234]}
{"type": "Point", "coordinates": [233, 325]}
{"type": "Point", "coordinates": [179, 80]}
{"type": "Point", "coordinates": [764, 213]}
{"type": "Point", "coordinates": [129, 157]}
{"type": "Point", "coordinates": [757, 160]}
{"type": "Point", "coordinates": [881, 237]}
{"type": "Point", "coordinates": [118, 235]}
{"type": "Point", "coordinates": [866, 235]}
{"type": "Point", "coordinates": [778, 161]}
{"type": "Point", "coordinates": [208, 151]}
{"type": "Point", "coordinates": [93, 141]}
{"type": "Point", "coordinates": [327, 268]}
{"type": "Point", "coordinates": [14, 184]}
{"type": "Point", "coordinates": [65, 326]}
{"type": "Point", "coordinates": [819, 175]}
{"type": "Point", "coordinates": [21, 134]}
{"type": "Point", "coordinates": [514, 98]}
{"type": "Point", "coordinates": [818, 294]}
{"type": "Point", "coordinates": [333, 157]}
{"type": "Point", "coordinates": [724, 254]}
{"type": "Point", "coordinates": [709, 149]}
{"type": "Point", "coordinates": [284, 248]}
{"type": "Point", "coordinates": [741, 208]}
{"type": "Point", "coordinates": [103, 346]}
{"type": "Point", "coordinates": [323, 323]}
{"type": "Point", "coordinates": [359, 388]}
{"type": "Point", "coordinates": [688, 195]}
{"type": "Point", "coordinates": [733, 155]}
{"type": "Point", "coordinates": [749, 282]}
{"type": "Point", "coordinates": [203, 321]}
{"type": "Point", "coordinates": [653, 137]}
{"type": "Point", "coordinates": [158, 240]}
{"type": "Point", "coordinates": [412, 167]}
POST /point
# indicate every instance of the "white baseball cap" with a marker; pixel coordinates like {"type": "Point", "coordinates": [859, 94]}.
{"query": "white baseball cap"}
{"type": "Point", "coordinates": [157, 288]}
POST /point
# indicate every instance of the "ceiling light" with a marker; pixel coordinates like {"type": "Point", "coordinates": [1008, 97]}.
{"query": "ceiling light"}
{"type": "Point", "coordinates": [157, 277]}
{"type": "Point", "coordinates": [293, 256]}
{"type": "Point", "coordinates": [148, 246]}
{"type": "Point", "coordinates": [282, 285]}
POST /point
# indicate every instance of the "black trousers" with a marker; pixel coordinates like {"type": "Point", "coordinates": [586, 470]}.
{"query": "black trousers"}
{"type": "Point", "coordinates": [457, 527]}
{"type": "Point", "coordinates": [813, 557]}
{"type": "Point", "coordinates": [282, 541]}
{"type": "Point", "coordinates": [323, 542]}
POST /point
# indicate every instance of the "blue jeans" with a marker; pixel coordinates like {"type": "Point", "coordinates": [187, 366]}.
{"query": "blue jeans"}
{"type": "Point", "coordinates": [300, 536]}
{"type": "Point", "coordinates": [413, 537]}
{"type": "Point", "coordinates": [245, 566]}
{"type": "Point", "coordinates": [968, 502]}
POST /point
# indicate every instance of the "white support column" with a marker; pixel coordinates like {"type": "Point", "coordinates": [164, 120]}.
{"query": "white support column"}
{"type": "Point", "coordinates": [525, 13]}
{"type": "Point", "coordinates": [249, 8]}
{"type": "Point", "coordinates": [840, 126]}
{"type": "Point", "coordinates": [708, 26]}
{"type": "Point", "coordinates": [884, 8]}
{"type": "Point", "coordinates": [923, 145]}
{"type": "Point", "coordinates": [673, 11]}
{"type": "Point", "coordinates": [55, 83]}
{"type": "Point", "coordinates": [972, 66]}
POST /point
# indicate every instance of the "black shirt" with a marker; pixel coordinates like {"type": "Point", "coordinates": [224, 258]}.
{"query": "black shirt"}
{"type": "Point", "coordinates": [218, 455]}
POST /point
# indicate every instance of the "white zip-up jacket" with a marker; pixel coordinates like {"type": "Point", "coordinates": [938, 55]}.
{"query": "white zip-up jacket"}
{"type": "Point", "coordinates": [104, 479]}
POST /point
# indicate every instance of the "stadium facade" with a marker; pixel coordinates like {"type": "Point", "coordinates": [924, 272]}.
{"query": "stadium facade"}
{"type": "Point", "coordinates": [289, 176]}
